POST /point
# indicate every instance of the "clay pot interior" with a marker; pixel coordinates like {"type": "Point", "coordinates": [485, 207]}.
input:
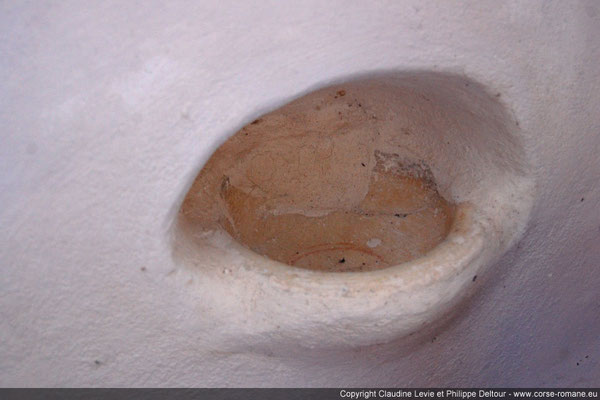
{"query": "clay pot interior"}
{"type": "Point", "coordinates": [353, 177]}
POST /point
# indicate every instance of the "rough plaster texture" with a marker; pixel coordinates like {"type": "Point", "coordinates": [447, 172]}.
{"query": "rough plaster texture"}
{"type": "Point", "coordinates": [109, 109]}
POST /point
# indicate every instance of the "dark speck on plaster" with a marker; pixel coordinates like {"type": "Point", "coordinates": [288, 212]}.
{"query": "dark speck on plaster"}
{"type": "Point", "coordinates": [97, 362]}
{"type": "Point", "coordinates": [343, 260]}
{"type": "Point", "coordinates": [363, 164]}
{"type": "Point", "coordinates": [474, 278]}
{"type": "Point", "coordinates": [582, 199]}
{"type": "Point", "coordinates": [143, 269]}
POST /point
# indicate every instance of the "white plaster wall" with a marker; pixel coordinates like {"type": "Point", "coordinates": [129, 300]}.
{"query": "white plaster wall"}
{"type": "Point", "coordinates": [108, 109]}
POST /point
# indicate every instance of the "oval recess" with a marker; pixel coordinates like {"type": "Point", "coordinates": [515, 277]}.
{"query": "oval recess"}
{"type": "Point", "coordinates": [356, 213]}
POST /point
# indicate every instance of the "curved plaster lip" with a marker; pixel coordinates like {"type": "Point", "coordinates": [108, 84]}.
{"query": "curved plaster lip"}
{"type": "Point", "coordinates": [327, 309]}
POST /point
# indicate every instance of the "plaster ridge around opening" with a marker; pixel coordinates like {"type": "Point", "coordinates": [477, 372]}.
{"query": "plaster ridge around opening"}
{"type": "Point", "coordinates": [375, 200]}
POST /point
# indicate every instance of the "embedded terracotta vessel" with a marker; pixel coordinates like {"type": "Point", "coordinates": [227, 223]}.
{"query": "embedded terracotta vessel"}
{"type": "Point", "coordinates": [362, 210]}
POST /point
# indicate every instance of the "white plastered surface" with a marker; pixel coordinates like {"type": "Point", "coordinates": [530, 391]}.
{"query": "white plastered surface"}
{"type": "Point", "coordinates": [108, 110]}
